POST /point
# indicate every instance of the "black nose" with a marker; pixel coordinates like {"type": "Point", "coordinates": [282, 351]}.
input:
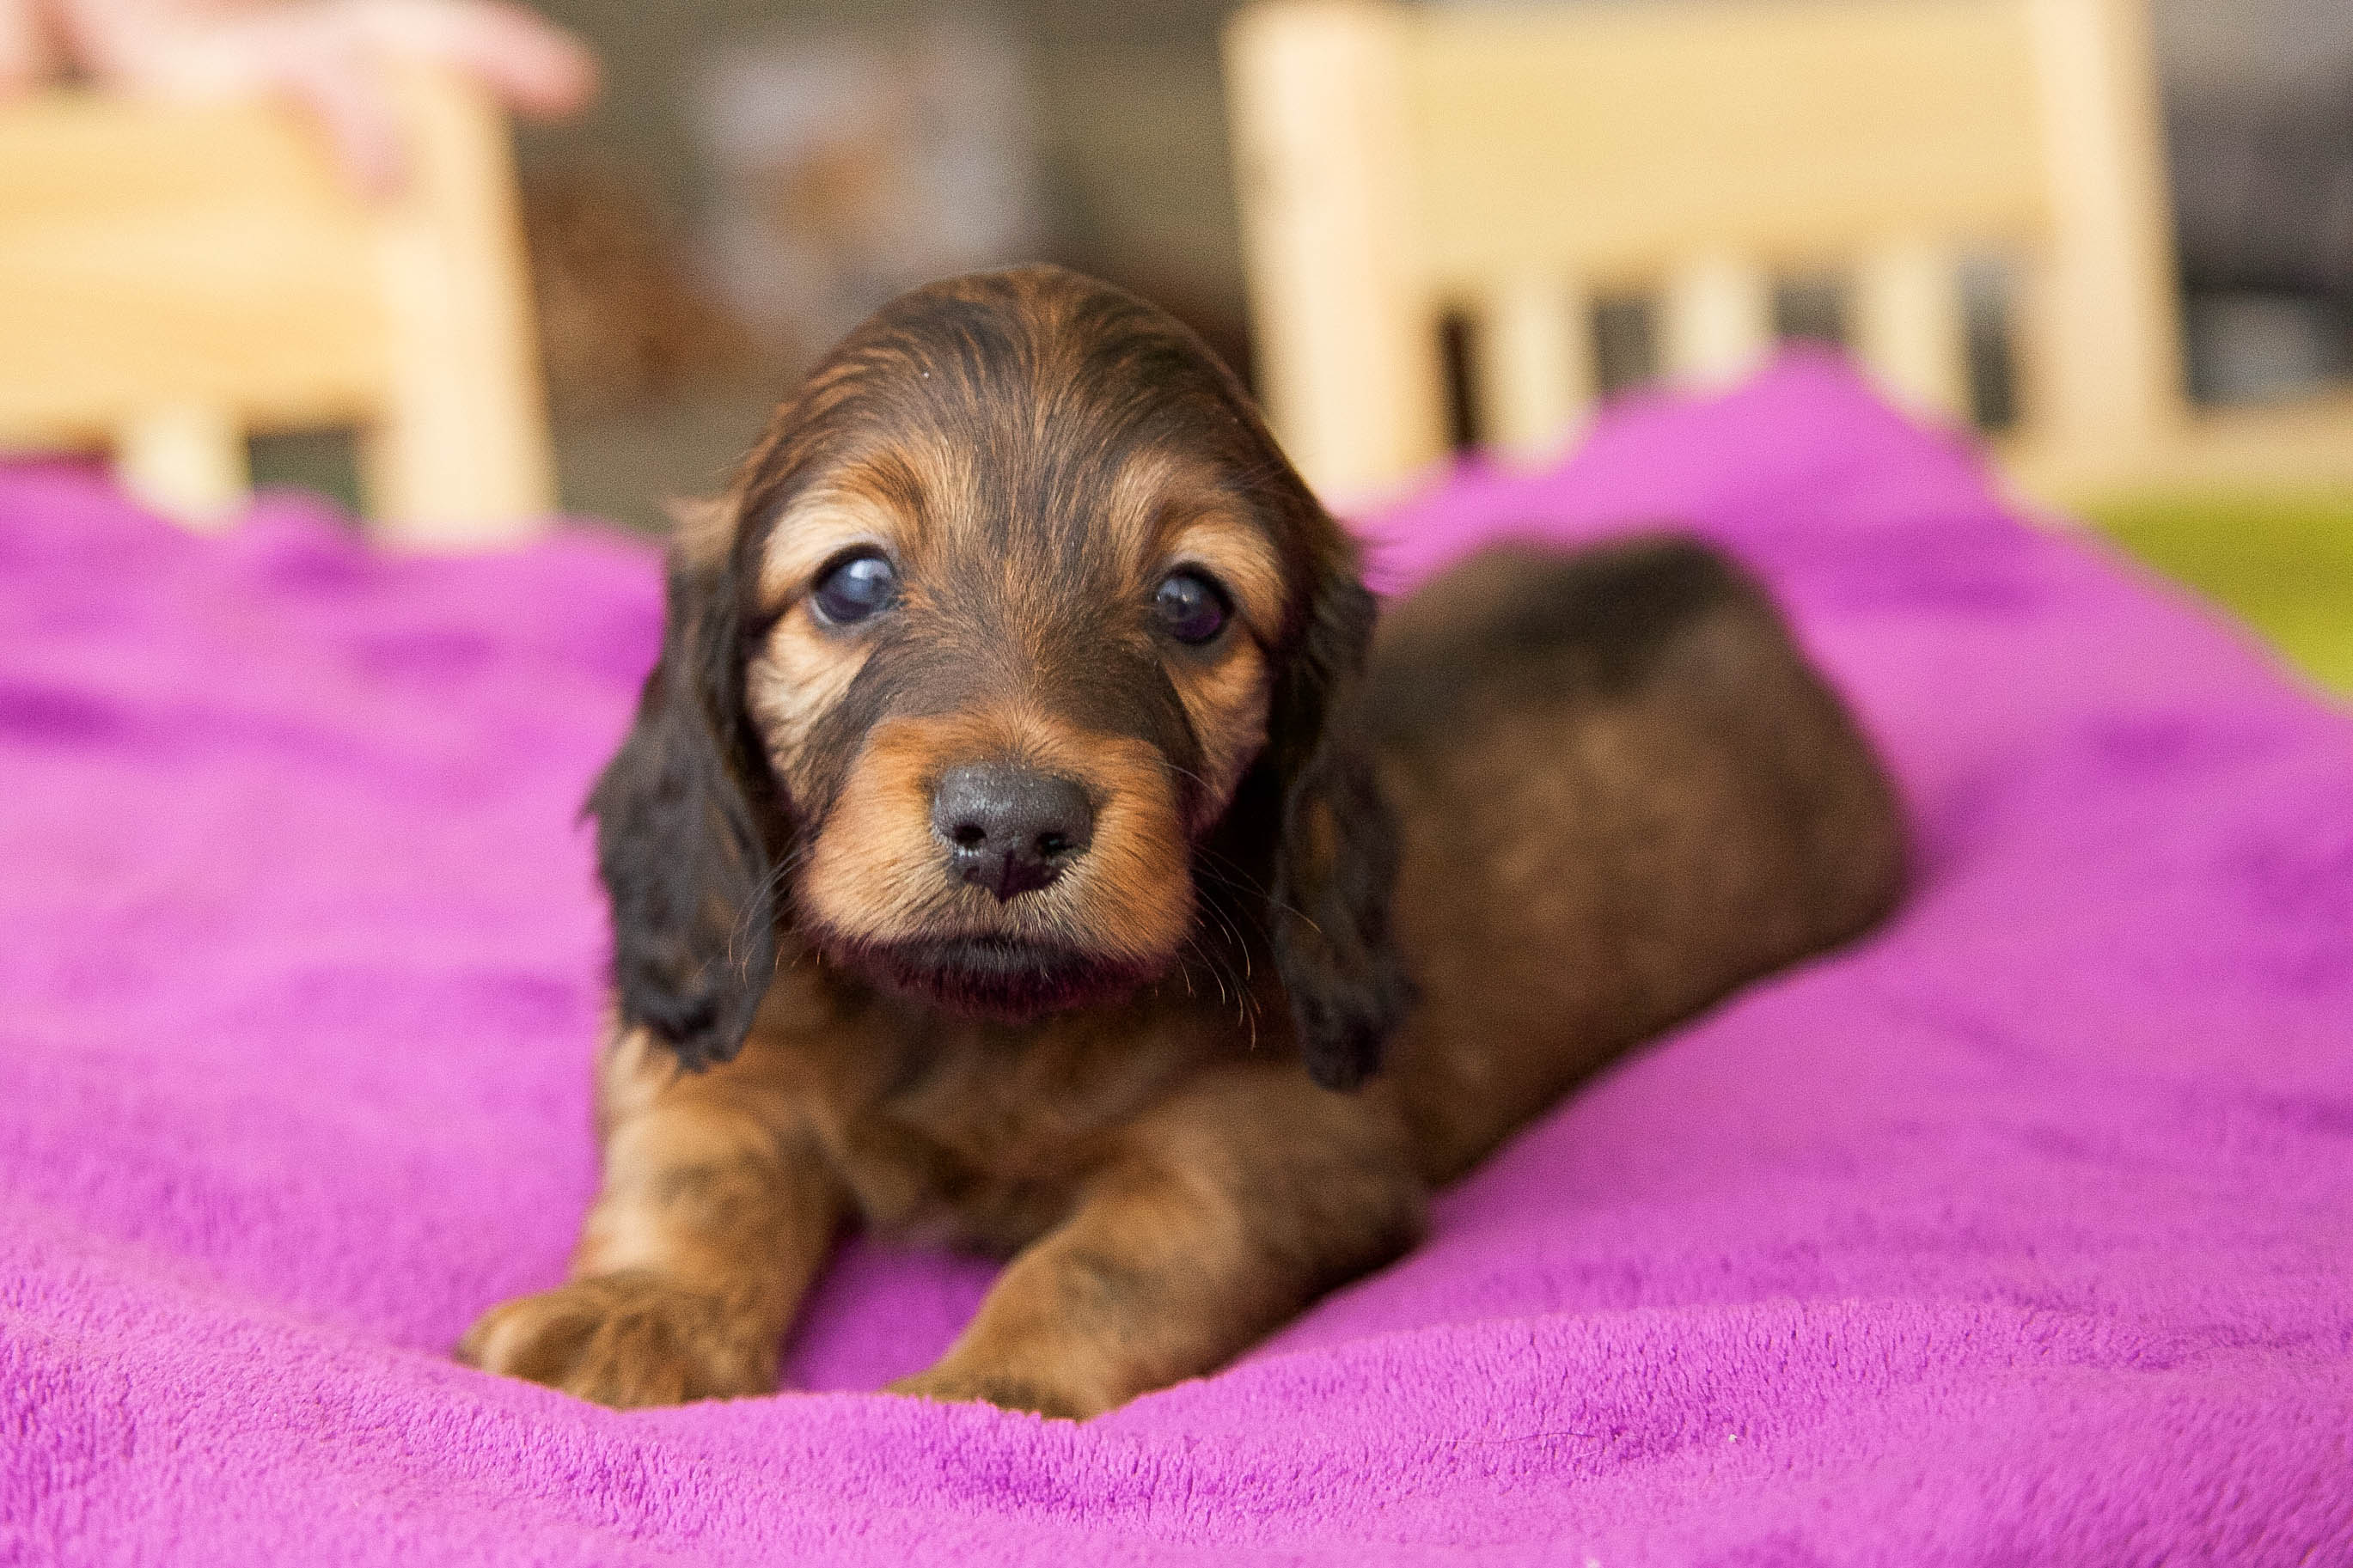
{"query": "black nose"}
{"type": "Point", "coordinates": [1009, 829]}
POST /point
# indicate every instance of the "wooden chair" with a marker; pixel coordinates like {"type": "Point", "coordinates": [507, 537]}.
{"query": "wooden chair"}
{"type": "Point", "coordinates": [1511, 165]}
{"type": "Point", "coordinates": [173, 277]}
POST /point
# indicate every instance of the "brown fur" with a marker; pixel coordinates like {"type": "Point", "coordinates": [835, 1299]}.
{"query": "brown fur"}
{"type": "Point", "coordinates": [1351, 914]}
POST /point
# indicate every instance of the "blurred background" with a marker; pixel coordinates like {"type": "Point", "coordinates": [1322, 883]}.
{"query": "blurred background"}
{"type": "Point", "coordinates": [756, 174]}
{"type": "Point", "coordinates": [755, 177]}
{"type": "Point", "coordinates": [759, 174]}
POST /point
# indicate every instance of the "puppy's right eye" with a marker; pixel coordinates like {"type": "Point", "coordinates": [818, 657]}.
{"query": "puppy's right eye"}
{"type": "Point", "coordinates": [855, 588]}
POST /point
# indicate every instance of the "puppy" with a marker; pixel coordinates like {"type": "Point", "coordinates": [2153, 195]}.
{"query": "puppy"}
{"type": "Point", "coordinates": [1026, 844]}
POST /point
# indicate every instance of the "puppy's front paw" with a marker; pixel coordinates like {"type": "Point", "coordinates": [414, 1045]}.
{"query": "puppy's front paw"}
{"type": "Point", "coordinates": [624, 1340]}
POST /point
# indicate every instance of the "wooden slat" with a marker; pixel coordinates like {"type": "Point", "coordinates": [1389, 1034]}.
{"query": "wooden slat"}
{"type": "Point", "coordinates": [80, 154]}
{"type": "Point", "coordinates": [2279, 447]}
{"type": "Point", "coordinates": [1539, 385]}
{"type": "Point", "coordinates": [1703, 146]}
{"type": "Point", "coordinates": [1718, 319]}
{"type": "Point", "coordinates": [1910, 326]}
{"type": "Point", "coordinates": [256, 312]}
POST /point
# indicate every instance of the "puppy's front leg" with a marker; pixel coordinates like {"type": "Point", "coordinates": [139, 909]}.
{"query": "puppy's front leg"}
{"type": "Point", "coordinates": [715, 1214]}
{"type": "Point", "coordinates": [1225, 1210]}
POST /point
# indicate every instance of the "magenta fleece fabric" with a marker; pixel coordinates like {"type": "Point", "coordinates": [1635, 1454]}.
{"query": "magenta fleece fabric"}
{"type": "Point", "coordinates": [2020, 1234]}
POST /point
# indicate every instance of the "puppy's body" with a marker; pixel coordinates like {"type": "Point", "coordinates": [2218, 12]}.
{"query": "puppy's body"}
{"type": "Point", "coordinates": [1569, 801]}
{"type": "Point", "coordinates": [1622, 793]}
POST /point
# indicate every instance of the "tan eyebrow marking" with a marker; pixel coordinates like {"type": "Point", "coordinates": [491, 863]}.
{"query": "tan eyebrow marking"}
{"type": "Point", "coordinates": [1237, 553]}
{"type": "Point", "coordinates": [1135, 501]}
{"type": "Point", "coordinates": [1167, 510]}
{"type": "Point", "coordinates": [817, 529]}
{"type": "Point", "coordinates": [894, 496]}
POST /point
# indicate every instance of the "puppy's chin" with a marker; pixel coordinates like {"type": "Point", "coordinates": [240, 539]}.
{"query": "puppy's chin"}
{"type": "Point", "coordinates": [997, 978]}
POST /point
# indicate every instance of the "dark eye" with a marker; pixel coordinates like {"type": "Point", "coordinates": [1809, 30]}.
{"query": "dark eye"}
{"type": "Point", "coordinates": [854, 589]}
{"type": "Point", "coordinates": [1191, 607]}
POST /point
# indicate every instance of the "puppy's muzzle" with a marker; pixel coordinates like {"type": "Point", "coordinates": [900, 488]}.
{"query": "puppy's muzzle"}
{"type": "Point", "coordinates": [1009, 828]}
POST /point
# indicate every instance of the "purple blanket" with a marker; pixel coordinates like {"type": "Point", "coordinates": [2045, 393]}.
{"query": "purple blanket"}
{"type": "Point", "coordinates": [2023, 1234]}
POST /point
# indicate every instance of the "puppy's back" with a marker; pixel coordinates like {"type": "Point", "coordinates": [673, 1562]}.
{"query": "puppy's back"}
{"type": "Point", "coordinates": [1622, 792]}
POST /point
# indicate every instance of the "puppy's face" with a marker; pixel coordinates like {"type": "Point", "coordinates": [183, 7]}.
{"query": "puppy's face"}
{"type": "Point", "coordinates": [1016, 635]}
{"type": "Point", "coordinates": [1018, 594]}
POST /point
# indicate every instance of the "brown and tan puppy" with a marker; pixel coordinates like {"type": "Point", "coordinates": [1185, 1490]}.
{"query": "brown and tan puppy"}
{"type": "Point", "coordinates": [1019, 848]}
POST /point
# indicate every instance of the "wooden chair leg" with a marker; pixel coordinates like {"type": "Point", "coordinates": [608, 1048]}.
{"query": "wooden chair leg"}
{"type": "Point", "coordinates": [2105, 382]}
{"type": "Point", "coordinates": [1348, 352]}
{"type": "Point", "coordinates": [461, 456]}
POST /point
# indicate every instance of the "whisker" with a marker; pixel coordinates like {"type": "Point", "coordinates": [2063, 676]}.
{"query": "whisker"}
{"type": "Point", "coordinates": [1252, 890]}
{"type": "Point", "coordinates": [767, 885]}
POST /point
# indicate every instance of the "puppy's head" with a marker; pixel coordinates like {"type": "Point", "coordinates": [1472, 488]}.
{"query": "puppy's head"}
{"type": "Point", "coordinates": [1017, 643]}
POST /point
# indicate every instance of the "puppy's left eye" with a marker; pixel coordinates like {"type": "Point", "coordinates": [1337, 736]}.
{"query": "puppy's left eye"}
{"type": "Point", "coordinates": [853, 589]}
{"type": "Point", "coordinates": [1191, 607]}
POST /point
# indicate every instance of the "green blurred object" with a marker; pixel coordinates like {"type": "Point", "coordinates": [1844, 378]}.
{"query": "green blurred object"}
{"type": "Point", "coordinates": [324, 462]}
{"type": "Point", "coordinates": [2282, 562]}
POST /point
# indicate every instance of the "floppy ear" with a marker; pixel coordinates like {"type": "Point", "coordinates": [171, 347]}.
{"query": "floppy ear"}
{"type": "Point", "coordinates": [679, 838]}
{"type": "Point", "coordinates": [1335, 866]}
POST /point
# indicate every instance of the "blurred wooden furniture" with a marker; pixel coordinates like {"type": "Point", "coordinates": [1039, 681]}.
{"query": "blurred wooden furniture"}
{"type": "Point", "coordinates": [173, 277]}
{"type": "Point", "coordinates": [1400, 163]}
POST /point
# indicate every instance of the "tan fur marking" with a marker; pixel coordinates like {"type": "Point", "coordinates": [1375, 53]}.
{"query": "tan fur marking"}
{"type": "Point", "coordinates": [1167, 512]}
{"type": "Point", "coordinates": [1167, 509]}
{"type": "Point", "coordinates": [1134, 505]}
{"type": "Point", "coordinates": [1227, 700]}
{"type": "Point", "coordinates": [877, 874]}
{"type": "Point", "coordinates": [799, 673]}
{"type": "Point", "coordinates": [895, 499]}
{"type": "Point", "coordinates": [631, 1069]}
{"type": "Point", "coordinates": [804, 666]}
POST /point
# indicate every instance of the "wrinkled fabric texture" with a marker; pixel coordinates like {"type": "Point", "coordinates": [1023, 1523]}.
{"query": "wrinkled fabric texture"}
{"type": "Point", "coordinates": [2017, 1233]}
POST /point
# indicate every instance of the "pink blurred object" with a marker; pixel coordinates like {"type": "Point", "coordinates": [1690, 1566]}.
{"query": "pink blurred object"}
{"type": "Point", "coordinates": [329, 56]}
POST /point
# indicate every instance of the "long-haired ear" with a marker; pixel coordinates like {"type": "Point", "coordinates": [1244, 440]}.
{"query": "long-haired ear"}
{"type": "Point", "coordinates": [679, 839]}
{"type": "Point", "coordinates": [1335, 866]}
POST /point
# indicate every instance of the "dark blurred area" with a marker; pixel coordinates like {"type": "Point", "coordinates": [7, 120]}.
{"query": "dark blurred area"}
{"type": "Point", "coordinates": [2259, 113]}
{"type": "Point", "coordinates": [756, 176]}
